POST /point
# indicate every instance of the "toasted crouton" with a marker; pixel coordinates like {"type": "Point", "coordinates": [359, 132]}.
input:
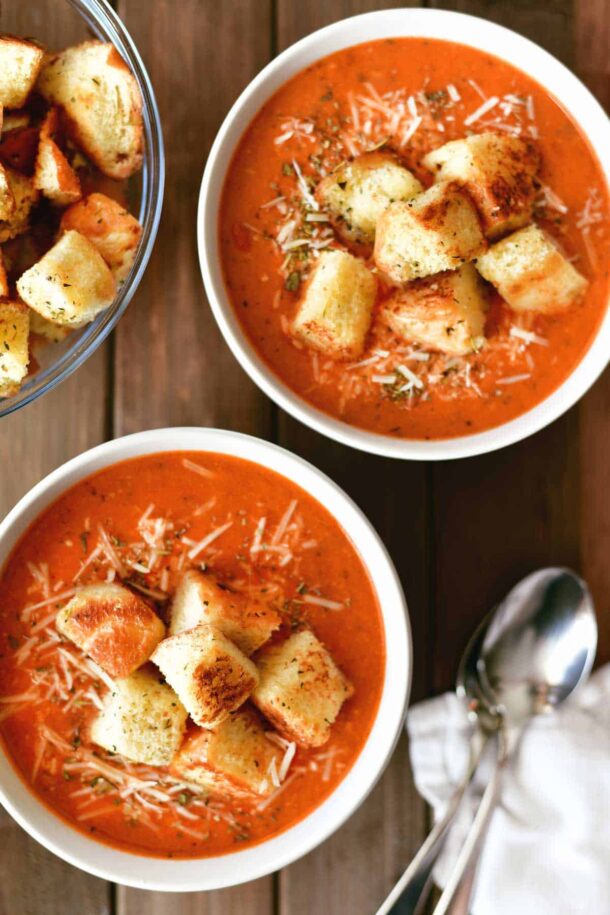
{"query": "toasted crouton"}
{"type": "Point", "coordinates": [357, 192]}
{"type": "Point", "coordinates": [101, 102]}
{"type": "Point", "coordinates": [14, 351]}
{"type": "Point", "coordinates": [52, 332]}
{"type": "Point", "coordinates": [445, 312]}
{"type": "Point", "coordinates": [20, 61]}
{"type": "Point", "coordinates": [53, 174]}
{"type": "Point", "coordinates": [498, 172]}
{"type": "Point", "coordinates": [71, 284]}
{"type": "Point", "coordinates": [114, 232]}
{"type": "Point", "coordinates": [113, 626]}
{"type": "Point", "coordinates": [209, 673]}
{"type": "Point", "coordinates": [531, 274]}
{"type": "Point", "coordinates": [438, 230]}
{"type": "Point", "coordinates": [7, 200]}
{"type": "Point", "coordinates": [199, 598]}
{"type": "Point", "coordinates": [24, 196]}
{"type": "Point", "coordinates": [13, 120]}
{"type": "Point", "coordinates": [142, 719]}
{"type": "Point", "coordinates": [235, 759]}
{"type": "Point", "coordinates": [301, 690]}
{"type": "Point", "coordinates": [334, 313]}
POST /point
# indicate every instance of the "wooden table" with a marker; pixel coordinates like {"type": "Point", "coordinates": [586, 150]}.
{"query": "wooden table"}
{"type": "Point", "coordinates": [459, 533]}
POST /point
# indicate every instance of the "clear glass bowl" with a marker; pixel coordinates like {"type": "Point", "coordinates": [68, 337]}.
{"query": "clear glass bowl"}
{"type": "Point", "coordinates": [74, 21]}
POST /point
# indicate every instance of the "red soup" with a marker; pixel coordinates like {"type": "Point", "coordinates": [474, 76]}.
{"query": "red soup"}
{"type": "Point", "coordinates": [407, 97]}
{"type": "Point", "coordinates": [144, 523]}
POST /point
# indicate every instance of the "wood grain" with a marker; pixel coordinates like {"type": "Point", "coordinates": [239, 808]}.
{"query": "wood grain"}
{"type": "Point", "coordinates": [592, 36]}
{"type": "Point", "coordinates": [354, 870]}
{"type": "Point", "coordinates": [171, 365]}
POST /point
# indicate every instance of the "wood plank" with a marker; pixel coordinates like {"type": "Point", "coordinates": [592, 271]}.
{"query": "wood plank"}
{"type": "Point", "coordinates": [32, 443]}
{"type": "Point", "coordinates": [499, 516]}
{"type": "Point", "coordinates": [355, 869]}
{"type": "Point", "coordinates": [592, 33]}
{"type": "Point", "coordinates": [172, 366]}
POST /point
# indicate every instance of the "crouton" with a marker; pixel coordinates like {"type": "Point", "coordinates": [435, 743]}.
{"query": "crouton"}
{"type": "Point", "coordinates": [445, 312]}
{"type": "Point", "coordinates": [334, 312]}
{"type": "Point", "coordinates": [439, 230]}
{"type": "Point", "coordinates": [499, 173]}
{"type": "Point", "coordinates": [199, 598]}
{"type": "Point", "coordinates": [12, 120]}
{"type": "Point", "coordinates": [52, 332]}
{"type": "Point", "coordinates": [357, 192]}
{"type": "Point", "coordinates": [7, 200]}
{"type": "Point", "coordinates": [531, 274]}
{"type": "Point", "coordinates": [209, 673]}
{"type": "Point", "coordinates": [20, 62]}
{"type": "Point", "coordinates": [114, 232]}
{"type": "Point", "coordinates": [142, 719]}
{"type": "Point", "coordinates": [18, 149]}
{"type": "Point", "coordinates": [71, 284]}
{"type": "Point", "coordinates": [14, 351]}
{"type": "Point", "coordinates": [101, 103]}
{"type": "Point", "coordinates": [235, 759]}
{"type": "Point", "coordinates": [53, 174]}
{"type": "Point", "coordinates": [300, 690]}
{"type": "Point", "coordinates": [113, 626]}
{"type": "Point", "coordinates": [24, 196]}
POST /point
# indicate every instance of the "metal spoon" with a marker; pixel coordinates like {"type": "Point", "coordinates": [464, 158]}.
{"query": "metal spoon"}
{"type": "Point", "coordinates": [538, 648]}
{"type": "Point", "coordinates": [412, 887]}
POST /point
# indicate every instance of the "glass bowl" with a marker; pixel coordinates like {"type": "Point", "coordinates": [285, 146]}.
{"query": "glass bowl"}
{"type": "Point", "coordinates": [74, 21]}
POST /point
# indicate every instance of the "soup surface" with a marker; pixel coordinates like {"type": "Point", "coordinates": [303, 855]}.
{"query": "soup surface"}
{"type": "Point", "coordinates": [411, 95]}
{"type": "Point", "coordinates": [144, 522]}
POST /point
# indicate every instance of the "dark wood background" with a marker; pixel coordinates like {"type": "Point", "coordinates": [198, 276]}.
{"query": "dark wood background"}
{"type": "Point", "coordinates": [459, 533]}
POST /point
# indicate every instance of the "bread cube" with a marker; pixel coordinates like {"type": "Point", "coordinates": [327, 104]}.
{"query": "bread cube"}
{"type": "Point", "coordinates": [439, 230]}
{"type": "Point", "coordinates": [14, 349]}
{"type": "Point", "coordinates": [113, 626]}
{"type": "Point", "coordinates": [301, 690]}
{"type": "Point", "coordinates": [531, 274]}
{"type": "Point", "coordinates": [142, 719]}
{"type": "Point", "coordinates": [334, 312]}
{"type": "Point", "coordinates": [236, 759]}
{"type": "Point", "coordinates": [499, 173]}
{"type": "Point", "coordinates": [445, 312]}
{"type": "Point", "coordinates": [4, 287]}
{"type": "Point", "coordinates": [210, 674]}
{"type": "Point", "coordinates": [357, 192]}
{"type": "Point", "coordinates": [20, 61]}
{"type": "Point", "coordinates": [24, 195]}
{"type": "Point", "coordinates": [53, 174]}
{"type": "Point", "coordinates": [7, 200]}
{"type": "Point", "coordinates": [71, 284]}
{"type": "Point", "coordinates": [101, 102]}
{"type": "Point", "coordinates": [50, 331]}
{"type": "Point", "coordinates": [199, 598]}
{"type": "Point", "coordinates": [114, 232]}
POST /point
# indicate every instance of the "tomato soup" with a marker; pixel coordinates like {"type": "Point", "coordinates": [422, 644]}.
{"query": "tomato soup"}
{"type": "Point", "coordinates": [144, 522]}
{"type": "Point", "coordinates": [409, 95]}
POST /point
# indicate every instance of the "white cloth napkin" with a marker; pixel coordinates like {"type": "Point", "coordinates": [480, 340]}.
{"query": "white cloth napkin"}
{"type": "Point", "coordinates": [548, 846]}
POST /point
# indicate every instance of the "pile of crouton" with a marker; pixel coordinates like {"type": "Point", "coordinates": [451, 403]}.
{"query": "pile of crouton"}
{"type": "Point", "coordinates": [204, 696]}
{"type": "Point", "coordinates": [64, 118]}
{"type": "Point", "coordinates": [428, 249]}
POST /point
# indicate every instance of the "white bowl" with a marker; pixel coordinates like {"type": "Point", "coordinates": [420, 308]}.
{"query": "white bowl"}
{"type": "Point", "coordinates": [468, 30]}
{"type": "Point", "coordinates": [250, 863]}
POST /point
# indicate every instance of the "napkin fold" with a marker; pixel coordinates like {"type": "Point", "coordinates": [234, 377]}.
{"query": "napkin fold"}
{"type": "Point", "coordinates": [548, 847]}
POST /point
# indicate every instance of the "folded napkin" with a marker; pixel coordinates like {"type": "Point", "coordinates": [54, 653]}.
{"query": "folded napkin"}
{"type": "Point", "coordinates": [548, 847]}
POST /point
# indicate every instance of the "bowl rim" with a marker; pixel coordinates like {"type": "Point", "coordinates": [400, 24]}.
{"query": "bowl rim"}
{"type": "Point", "coordinates": [465, 29]}
{"type": "Point", "coordinates": [178, 875]}
{"type": "Point", "coordinates": [106, 25]}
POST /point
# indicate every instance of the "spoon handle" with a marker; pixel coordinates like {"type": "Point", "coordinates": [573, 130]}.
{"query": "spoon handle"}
{"type": "Point", "coordinates": [456, 897]}
{"type": "Point", "coordinates": [411, 888]}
